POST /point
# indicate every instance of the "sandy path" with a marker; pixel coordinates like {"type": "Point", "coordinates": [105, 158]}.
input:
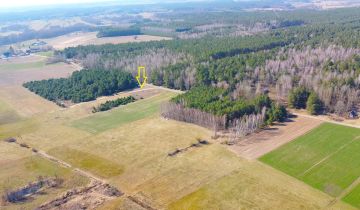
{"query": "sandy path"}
{"type": "Point", "coordinates": [258, 144]}
{"type": "Point", "coordinates": [326, 119]}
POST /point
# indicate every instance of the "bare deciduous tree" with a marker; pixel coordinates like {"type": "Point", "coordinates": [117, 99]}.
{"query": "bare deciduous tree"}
{"type": "Point", "coordinates": [246, 125]}
{"type": "Point", "coordinates": [178, 112]}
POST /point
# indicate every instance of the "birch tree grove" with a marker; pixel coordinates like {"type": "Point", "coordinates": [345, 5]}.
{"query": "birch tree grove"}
{"type": "Point", "coordinates": [178, 112]}
{"type": "Point", "coordinates": [152, 59]}
{"type": "Point", "coordinates": [332, 72]}
{"type": "Point", "coordinates": [246, 125]}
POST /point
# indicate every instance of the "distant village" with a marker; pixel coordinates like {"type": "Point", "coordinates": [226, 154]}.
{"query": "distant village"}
{"type": "Point", "coordinates": [35, 47]}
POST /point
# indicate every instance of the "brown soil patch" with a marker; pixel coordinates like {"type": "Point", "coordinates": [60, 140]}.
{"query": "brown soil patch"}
{"type": "Point", "coordinates": [258, 144]}
{"type": "Point", "coordinates": [18, 77]}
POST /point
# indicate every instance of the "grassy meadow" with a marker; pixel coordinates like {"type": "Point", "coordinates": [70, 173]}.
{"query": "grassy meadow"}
{"type": "Point", "coordinates": [254, 186]}
{"type": "Point", "coordinates": [46, 54]}
{"type": "Point", "coordinates": [19, 166]}
{"type": "Point", "coordinates": [326, 158]}
{"type": "Point", "coordinates": [124, 114]}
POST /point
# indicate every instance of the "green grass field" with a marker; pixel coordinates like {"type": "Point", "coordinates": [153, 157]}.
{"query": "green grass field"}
{"type": "Point", "coordinates": [125, 114]}
{"type": "Point", "coordinates": [353, 197]}
{"type": "Point", "coordinates": [46, 54]}
{"type": "Point", "coordinates": [327, 158]}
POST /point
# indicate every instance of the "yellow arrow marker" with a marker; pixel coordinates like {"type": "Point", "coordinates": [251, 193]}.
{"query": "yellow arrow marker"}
{"type": "Point", "coordinates": [141, 78]}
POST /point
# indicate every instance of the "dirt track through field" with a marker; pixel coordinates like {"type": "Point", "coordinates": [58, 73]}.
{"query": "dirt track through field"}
{"type": "Point", "coordinates": [258, 144]}
{"type": "Point", "coordinates": [62, 163]}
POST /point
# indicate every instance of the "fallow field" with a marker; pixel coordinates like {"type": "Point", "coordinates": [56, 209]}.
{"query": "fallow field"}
{"type": "Point", "coordinates": [82, 38]}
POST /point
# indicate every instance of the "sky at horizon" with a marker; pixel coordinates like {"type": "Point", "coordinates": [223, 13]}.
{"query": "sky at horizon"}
{"type": "Point", "coordinates": [27, 3]}
{"type": "Point", "coordinates": [32, 3]}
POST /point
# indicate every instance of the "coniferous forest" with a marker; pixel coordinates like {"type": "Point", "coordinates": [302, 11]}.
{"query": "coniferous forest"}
{"type": "Point", "coordinates": [85, 85]}
{"type": "Point", "coordinates": [302, 58]}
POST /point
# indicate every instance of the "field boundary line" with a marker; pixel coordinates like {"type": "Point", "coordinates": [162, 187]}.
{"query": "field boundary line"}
{"type": "Point", "coordinates": [327, 120]}
{"type": "Point", "coordinates": [328, 156]}
{"type": "Point", "coordinates": [349, 189]}
{"type": "Point", "coordinates": [88, 175]}
{"type": "Point", "coordinates": [164, 88]}
{"type": "Point", "coordinates": [345, 192]}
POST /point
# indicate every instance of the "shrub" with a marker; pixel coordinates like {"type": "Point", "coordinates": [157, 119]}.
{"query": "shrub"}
{"type": "Point", "coordinates": [10, 140]}
{"type": "Point", "coordinates": [115, 103]}
{"type": "Point", "coordinates": [24, 145]}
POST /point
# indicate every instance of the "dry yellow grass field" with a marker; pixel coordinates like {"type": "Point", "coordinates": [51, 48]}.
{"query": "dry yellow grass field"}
{"type": "Point", "coordinates": [19, 166]}
{"type": "Point", "coordinates": [89, 38]}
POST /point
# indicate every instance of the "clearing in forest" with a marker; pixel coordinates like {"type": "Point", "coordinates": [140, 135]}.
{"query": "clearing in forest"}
{"type": "Point", "coordinates": [326, 158]}
{"type": "Point", "coordinates": [258, 144]}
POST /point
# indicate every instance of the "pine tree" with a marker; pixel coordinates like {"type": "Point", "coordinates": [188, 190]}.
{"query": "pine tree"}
{"type": "Point", "coordinates": [314, 104]}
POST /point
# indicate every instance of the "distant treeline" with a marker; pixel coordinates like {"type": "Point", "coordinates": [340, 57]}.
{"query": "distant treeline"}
{"type": "Point", "coordinates": [112, 104]}
{"type": "Point", "coordinates": [51, 32]}
{"type": "Point", "coordinates": [111, 32]}
{"type": "Point", "coordinates": [307, 50]}
{"type": "Point", "coordinates": [85, 85]}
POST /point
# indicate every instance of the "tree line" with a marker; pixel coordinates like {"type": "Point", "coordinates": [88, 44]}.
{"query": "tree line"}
{"type": "Point", "coordinates": [112, 31]}
{"type": "Point", "coordinates": [112, 104]}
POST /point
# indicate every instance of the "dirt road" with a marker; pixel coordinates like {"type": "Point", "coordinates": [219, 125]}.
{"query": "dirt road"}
{"type": "Point", "coordinates": [322, 118]}
{"type": "Point", "coordinates": [258, 144]}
